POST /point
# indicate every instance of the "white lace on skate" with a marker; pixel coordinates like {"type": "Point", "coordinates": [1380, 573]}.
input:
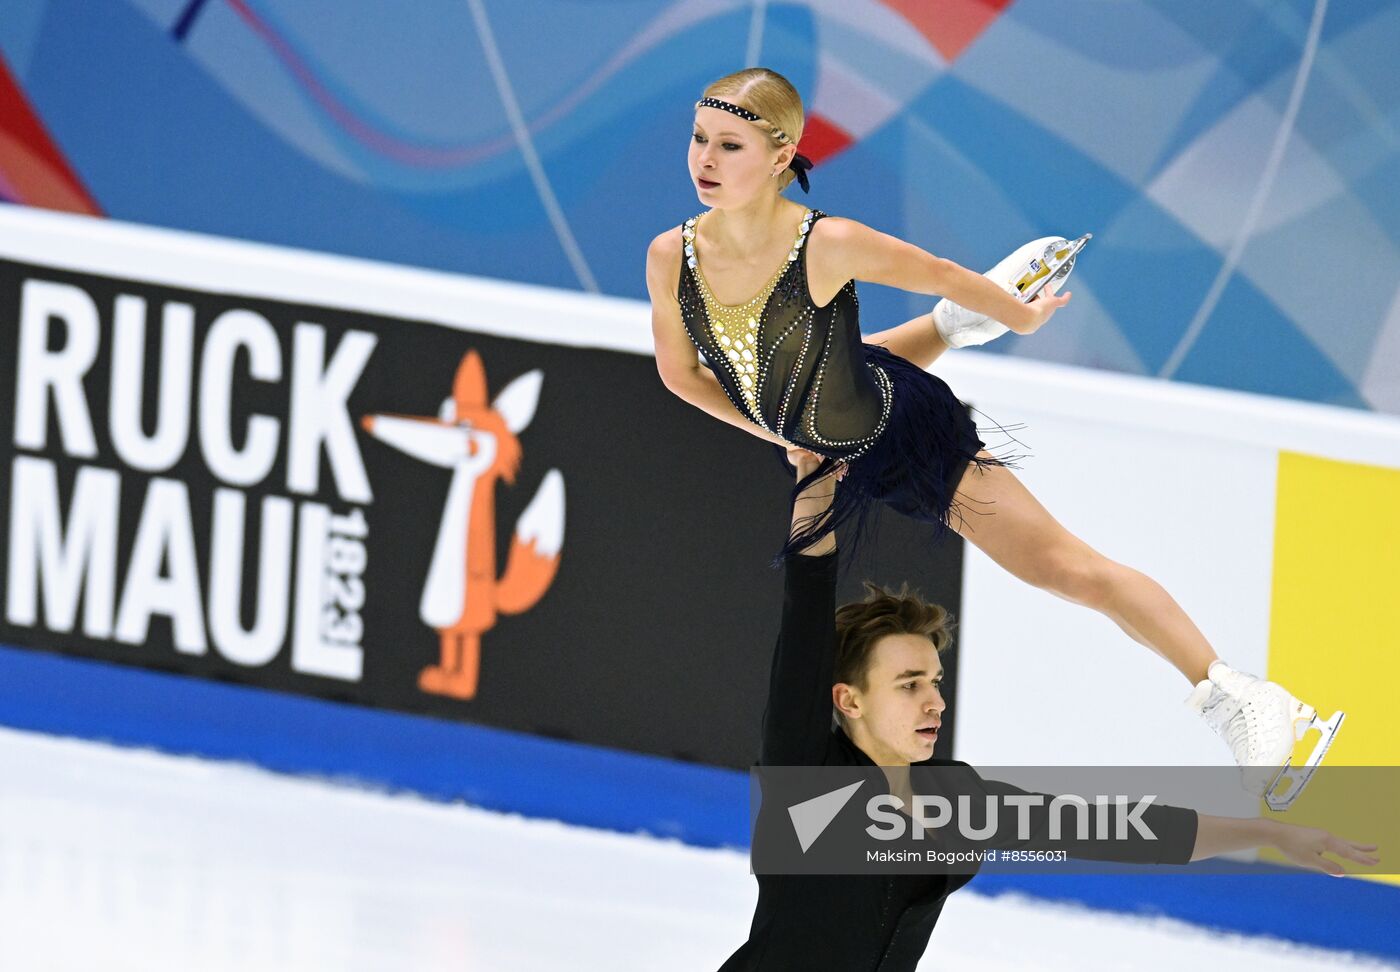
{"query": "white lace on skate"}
{"type": "Point", "coordinates": [1260, 721]}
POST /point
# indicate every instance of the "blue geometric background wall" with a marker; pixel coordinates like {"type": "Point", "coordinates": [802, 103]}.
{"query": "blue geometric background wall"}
{"type": "Point", "coordinates": [1237, 161]}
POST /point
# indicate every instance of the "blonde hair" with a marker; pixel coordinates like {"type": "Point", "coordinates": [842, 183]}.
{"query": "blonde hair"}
{"type": "Point", "coordinates": [772, 98]}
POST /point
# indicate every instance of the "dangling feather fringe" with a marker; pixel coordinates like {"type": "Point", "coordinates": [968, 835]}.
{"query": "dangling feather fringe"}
{"type": "Point", "coordinates": [914, 467]}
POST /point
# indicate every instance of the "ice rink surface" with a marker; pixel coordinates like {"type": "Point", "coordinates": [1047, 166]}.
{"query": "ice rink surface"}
{"type": "Point", "coordinates": [119, 859]}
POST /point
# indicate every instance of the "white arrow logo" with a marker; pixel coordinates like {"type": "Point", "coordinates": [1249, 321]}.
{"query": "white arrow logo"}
{"type": "Point", "coordinates": [811, 817]}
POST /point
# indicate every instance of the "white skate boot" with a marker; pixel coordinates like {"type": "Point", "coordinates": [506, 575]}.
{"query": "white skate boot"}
{"type": "Point", "coordinates": [1043, 264]}
{"type": "Point", "coordinates": [1260, 721]}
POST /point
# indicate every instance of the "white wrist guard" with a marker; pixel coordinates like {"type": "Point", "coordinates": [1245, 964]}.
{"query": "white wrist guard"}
{"type": "Point", "coordinates": [963, 328]}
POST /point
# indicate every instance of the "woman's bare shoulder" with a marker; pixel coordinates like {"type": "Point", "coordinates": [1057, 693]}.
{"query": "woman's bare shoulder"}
{"type": "Point", "coordinates": [666, 246]}
{"type": "Point", "coordinates": [664, 253]}
{"type": "Point", "coordinates": [834, 238]}
{"type": "Point", "coordinates": [664, 260]}
{"type": "Point", "coordinates": [838, 229]}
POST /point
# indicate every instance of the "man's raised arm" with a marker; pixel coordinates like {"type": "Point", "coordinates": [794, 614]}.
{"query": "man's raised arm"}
{"type": "Point", "coordinates": [797, 721]}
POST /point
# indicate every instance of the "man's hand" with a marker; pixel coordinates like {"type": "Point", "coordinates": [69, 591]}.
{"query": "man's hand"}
{"type": "Point", "coordinates": [814, 502]}
{"type": "Point", "coordinates": [806, 462]}
{"type": "Point", "coordinates": [1305, 846]}
{"type": "Point", "coordinates": [803, 460]}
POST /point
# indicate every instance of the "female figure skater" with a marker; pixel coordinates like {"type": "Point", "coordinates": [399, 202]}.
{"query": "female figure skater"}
{"type": "Point", "coordinates": [766, 289]}
{"type": "Point", "coordinates": [875, 665]}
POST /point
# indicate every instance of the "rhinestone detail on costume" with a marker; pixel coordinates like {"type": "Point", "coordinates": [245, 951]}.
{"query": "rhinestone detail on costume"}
{"type": "Point", "coordinates": [734, 327]}
{"type": "Point", "coordinates": [806, 358]}
{"type": "Point", "coordinates": [804, 321]}
{"type": "Point", "coordinates": [862, 444]}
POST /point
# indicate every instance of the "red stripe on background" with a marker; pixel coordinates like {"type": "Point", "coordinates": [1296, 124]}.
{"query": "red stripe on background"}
{"type": "Point", "coordinates": [823, 138]}
{"type": "Point", "coordinates": [950, 25]}
{"type": "Point", "coordinates": [31, 164]}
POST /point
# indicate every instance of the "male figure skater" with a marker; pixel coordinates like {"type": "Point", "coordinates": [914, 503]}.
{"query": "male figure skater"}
{"type": "Point", "coordinates": [874, 665]}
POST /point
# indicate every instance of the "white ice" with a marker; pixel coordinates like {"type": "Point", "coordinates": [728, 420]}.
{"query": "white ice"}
{"type": "Point", "coordinates": [116, 859]}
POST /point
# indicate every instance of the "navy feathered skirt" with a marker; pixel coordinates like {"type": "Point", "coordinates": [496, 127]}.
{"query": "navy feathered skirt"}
{"type": "Point", "coordinates": [913, 468]}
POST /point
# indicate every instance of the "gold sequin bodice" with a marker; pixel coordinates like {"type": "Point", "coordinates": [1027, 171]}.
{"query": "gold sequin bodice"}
{"type": "Point", "coordinates": [735, 326]}
{"type": "Point", "coordinates": [793, 368]}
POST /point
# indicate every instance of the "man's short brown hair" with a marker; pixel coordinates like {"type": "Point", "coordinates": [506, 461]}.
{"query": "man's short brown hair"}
{"type": "Point", "coordinates": [884, 612]}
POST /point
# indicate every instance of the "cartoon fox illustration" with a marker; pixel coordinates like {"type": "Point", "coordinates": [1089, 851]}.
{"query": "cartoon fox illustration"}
{"type": "Point", "coordinates": [478, 441]}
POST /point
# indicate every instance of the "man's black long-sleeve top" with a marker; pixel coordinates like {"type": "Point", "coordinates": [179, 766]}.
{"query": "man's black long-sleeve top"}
{"type": "Point", "coordinates": [861, 921]}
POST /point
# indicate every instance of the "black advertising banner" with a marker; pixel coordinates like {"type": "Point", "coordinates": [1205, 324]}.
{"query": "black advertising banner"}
{"type": "Point", "coordinates": [394, 514]}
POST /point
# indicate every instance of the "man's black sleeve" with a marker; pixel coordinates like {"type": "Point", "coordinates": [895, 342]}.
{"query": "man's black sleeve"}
{"type": "Point", "coordinates": [1172, 829]}
{"type": "Point", "coordinates": [797, 720]}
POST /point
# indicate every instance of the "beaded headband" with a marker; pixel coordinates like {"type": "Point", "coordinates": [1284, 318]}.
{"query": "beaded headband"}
{"type": "Point", "coordinates": [799, 164]}
{"type": "Point", "coordinates": [743, 113]}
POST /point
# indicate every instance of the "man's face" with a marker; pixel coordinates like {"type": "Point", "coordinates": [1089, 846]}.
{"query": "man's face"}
{"type": "Point", "coordinates": [899, 710]}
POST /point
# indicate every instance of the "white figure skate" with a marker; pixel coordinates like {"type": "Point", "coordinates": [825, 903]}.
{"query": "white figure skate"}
{"type": "Point", "coordinates": [1040, 264]}
{"type": "Point", "coordinates": [1260, 721]}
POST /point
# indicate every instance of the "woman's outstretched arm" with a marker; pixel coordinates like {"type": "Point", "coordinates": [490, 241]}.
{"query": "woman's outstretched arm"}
{"type": "Point", "coordinates": [842, 249]}
{"type": "Point", "coordinates": [676, 358]}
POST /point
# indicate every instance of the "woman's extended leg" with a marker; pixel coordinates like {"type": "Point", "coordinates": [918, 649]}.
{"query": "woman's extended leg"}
{"type": "Point", "coordinates": [1259, 720]}
{"type": "Point", "coordinates": [1004, 521]}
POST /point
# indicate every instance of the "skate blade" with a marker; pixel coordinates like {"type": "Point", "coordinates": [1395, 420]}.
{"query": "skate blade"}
{"type": "Point", "coordinates": [1288, 785]}
{"type": "Point", "coordinates": [1060, 273]}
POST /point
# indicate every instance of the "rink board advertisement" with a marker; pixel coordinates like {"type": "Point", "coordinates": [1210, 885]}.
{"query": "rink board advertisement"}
{"type": "Point", "coordinates": [390, 513]}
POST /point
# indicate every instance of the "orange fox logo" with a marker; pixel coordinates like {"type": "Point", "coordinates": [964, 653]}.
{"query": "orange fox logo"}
{"type": "Point", "coordinates": [477, 440]}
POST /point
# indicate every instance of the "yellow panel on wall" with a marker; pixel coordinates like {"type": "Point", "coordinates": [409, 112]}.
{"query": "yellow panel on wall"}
{"type": "Point", "coordinates": [1334, 633]}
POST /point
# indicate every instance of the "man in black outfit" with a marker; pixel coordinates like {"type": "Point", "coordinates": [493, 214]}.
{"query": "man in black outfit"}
{"type": "Point", "coordinates": [874, 666]}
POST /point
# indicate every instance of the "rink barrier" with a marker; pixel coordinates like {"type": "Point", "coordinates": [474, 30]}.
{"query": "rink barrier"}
{"type": "Point", "coordinates": [212, 472]}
